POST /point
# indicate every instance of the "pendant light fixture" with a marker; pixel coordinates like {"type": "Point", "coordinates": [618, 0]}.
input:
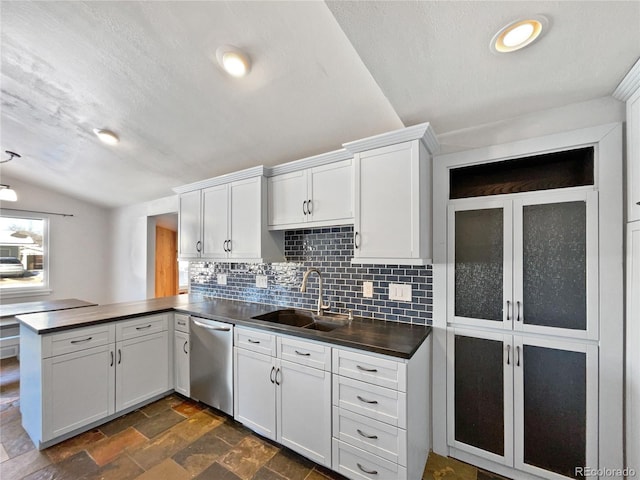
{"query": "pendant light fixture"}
{"type": "Point", "coordinates": [8, 194]}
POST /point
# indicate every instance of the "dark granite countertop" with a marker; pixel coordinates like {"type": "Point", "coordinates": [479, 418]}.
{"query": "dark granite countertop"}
{"type": "Point", "coordinates": [45, 306]}
{"type": "Point", "coordinates": [48, 322]}
{"type": "Point", "coordinates": [390, 338]}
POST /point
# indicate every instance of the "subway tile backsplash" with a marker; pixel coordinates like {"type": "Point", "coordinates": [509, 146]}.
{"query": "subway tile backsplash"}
{"type": "Point", "coordinates": [330, 250]}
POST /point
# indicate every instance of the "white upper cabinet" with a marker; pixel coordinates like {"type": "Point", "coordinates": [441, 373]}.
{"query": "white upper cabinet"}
{"type": "Point", "coordinates": [316, 196]}
{"type": "Point", "coordinates": [393, 196]}
{"type": "Point", "coordinates": [190, 225]}
{"type": "Point", "coordinates": [226, 219]}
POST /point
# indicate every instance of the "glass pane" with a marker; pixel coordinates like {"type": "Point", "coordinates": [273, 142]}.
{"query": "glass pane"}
{"type": "Point", "coordinates": [554, 265]}
{"type": "Point", "coordinates": [479, 393]}
{"type": "Point", "coordinates": [22, 252]}
{"type": "Point", "coordinates": [479, 264]}
{"type": "Point", "coordinates": [555, 409]}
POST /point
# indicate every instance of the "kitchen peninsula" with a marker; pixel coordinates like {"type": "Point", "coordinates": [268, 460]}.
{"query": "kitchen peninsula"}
{"type": "Point", "coordinates": [85, 367]}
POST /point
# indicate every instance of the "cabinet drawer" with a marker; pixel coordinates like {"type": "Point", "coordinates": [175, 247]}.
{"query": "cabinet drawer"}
{"type": "Point", "coordinates": [181, 322]}
{"type": "Point", "coordinates": [255, 341]}
{"type": "Point", "coordinates": [383, 404]}
{"type": "Point", "coordinates": [375, 437]}
{"type": "Point", "coordinates": [137, 327]}
{"type": "Point", "coordinates": [305, 353]}
{"type": "Point", "coordinates": [378, 371]}
{"type": "Point", "coordinates": [358, 464]}
{"type": "Point", "coordinates": [77, 339]}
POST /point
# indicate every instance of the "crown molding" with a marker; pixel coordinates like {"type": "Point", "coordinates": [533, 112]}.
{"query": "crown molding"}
{"type": "Point", "coordinates": [423, 132]}
{"type": "Point", "coordinates": [310, 162]}
{"type": "Point", "coordinates": [252, 172]}
{"type": "Point", "coordinates": [629, 84]}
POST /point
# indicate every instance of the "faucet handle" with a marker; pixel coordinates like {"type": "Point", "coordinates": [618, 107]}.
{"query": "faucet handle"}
{"type": "Point", "coordinates": [350, 317]}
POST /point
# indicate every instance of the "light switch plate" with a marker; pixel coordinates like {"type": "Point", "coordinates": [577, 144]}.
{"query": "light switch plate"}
{"type": "Point", "coordinates": [222, 279]}
{"type": "Point", "coordinates": [367, 289]}
{"type": "Point", "coordinates": [399, 291]}
{"type": "Point", "coordinates": [261, 281]}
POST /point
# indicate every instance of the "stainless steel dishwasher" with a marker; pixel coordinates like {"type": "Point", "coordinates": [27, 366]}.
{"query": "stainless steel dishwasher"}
{"type": "Point", "coordinates": [211, 363]}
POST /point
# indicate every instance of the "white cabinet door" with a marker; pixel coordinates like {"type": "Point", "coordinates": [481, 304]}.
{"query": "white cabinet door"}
{"type": "Point", "coordinates": [331, 193]}
{"type": "Point", "coordinates": [190, 242]}
{"type": "Point", "coordinates": [555, 406]}
{"type": "Point", "coordinates": [392, 209]}
{"type": "Point", "coordinates": [142, 369]}
{"type": "Point", "coordinates": [633, 157]}
{"type": "Point", "coordinates": [215, 221]}
{"type": "Point", "coordinates": [254, 397]}
{"type": "Point", "coordinates": [288, 198]}
{"type": "Point", "coordinates": [245, 219]}
{"type": "Point", "coordinates": [304, 410]}
{"type": "Point", "coordinates": [181, 374]}
{"type": "Point", "coordinates": [633, 345]}
{"type": "Point", "coordinates": [79, 389]}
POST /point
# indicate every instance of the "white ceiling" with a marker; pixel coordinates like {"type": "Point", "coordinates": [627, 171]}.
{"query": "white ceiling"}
{"type": "Point", "coordinates": [323, 74]}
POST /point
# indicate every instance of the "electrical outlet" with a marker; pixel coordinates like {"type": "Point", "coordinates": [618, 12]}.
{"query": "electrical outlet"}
{"type": "Point", "coordinates": [367, 289]}
{"type": "Point", "coordinates": [261, 281]}
{"type": "Point", "coordinates": [398, 291]}
{"type": "Point", "coordinates": [222, 279]}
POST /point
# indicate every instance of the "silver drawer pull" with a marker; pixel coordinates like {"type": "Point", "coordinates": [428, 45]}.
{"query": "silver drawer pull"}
{"type": "Point", "coordinates": [182, 323]}
{"type": "Point", "coordinates": [370, 472]}
{"type": "Point", "coordinates": [143, 328]}
{"type": "Point", "coordinates": [303, 354]}
{"type": "Point", "coordinates": [364, 369]}
{"type": "Point", "coordinates": [82, 341]}
{"type": "Point", "coordinates": [367, 401]}
{"type": "Point", "coordinates": [252, 341]}
{"type": "Point", "coordinates": [367, 436]}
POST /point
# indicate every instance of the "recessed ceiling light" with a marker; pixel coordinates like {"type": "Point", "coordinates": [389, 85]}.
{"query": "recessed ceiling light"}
{"type": "Point", "coordinates": [518, 34]}
{"type": "Point", "coordinates": [107, 136]}
{"type": "Point", "coordinates": [233, 60]}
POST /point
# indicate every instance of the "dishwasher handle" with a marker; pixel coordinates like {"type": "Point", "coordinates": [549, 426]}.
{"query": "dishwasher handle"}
{"type": "Point", "coordinates": [217, 329]}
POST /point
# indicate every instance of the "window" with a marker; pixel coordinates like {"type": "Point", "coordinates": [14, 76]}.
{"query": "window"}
{"type": "Point", "coordinates": [23, 255]}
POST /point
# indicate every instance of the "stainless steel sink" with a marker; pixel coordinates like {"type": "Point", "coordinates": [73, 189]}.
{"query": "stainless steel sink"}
{"type": "Point", "coordinates": [304, 319]}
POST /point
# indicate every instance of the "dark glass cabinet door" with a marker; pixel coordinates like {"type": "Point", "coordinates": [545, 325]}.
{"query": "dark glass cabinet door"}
{"type": "Point", "coordinates": [480, 258]}
{"type": "Point", "coordinates": [554, 406]}
{"type": "Point", "coordinates": [479, 390]}
{"type": "Point", "coordinates": [554, 266]}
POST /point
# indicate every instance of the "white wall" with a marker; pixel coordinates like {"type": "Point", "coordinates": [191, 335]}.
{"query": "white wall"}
{"type": "Point", "coordinates": [132, 239]}
{"type": "Point", "coordinates": [547, 122]}
{"type": "Point", "coordinates": [78, 246]}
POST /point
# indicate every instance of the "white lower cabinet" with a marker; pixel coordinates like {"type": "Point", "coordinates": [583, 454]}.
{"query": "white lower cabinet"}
{"type": "Point", "coordinates": [181, 355]}
{"type": "Point", "coordinates": [142, 369]}
{"type": "Point", "coordinates": [89, 372]}
{"type": "Point", "coordinates": [254, 395]}
{"type": "Point", "coordinates": [181, 373]}
{"type": "Point", "coordinates": [304, 410]}
{"type": "Point", "coordinates": [381, 425]}
{"type": "Point", "coordinates": [283, 400]}
{"type": "Point", "coordinates": [77, 378]}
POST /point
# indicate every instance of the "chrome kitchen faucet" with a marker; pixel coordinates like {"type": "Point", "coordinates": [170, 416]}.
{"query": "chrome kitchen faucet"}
{"type": "Point", "coordinates": [303, 288]}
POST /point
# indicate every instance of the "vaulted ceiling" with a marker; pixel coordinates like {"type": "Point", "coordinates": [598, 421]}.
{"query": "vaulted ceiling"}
{"type": "Point", "coordinates": [322, 74]}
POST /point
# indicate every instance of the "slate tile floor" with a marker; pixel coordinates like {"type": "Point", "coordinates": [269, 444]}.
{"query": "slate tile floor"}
{"type": "Point", "coordinates": [174, 439]}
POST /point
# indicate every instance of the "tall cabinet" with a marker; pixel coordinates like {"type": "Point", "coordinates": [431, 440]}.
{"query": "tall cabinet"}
{"type": "Point", "coordinates": [526, 261]}
{"type": "Point", "coordinates": [629, 91]}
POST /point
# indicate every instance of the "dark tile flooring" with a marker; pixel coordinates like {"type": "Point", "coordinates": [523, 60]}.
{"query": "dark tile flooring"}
{"type": "Point", "coordinates": [173, 438]}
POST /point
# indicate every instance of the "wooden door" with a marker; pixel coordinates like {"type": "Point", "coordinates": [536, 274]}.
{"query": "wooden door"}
{"type": "Point", "coordinates": [166, 263]}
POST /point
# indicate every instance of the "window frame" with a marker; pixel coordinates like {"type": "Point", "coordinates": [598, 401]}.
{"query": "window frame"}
{"type": "Point", "coordinates": [45, 287]}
